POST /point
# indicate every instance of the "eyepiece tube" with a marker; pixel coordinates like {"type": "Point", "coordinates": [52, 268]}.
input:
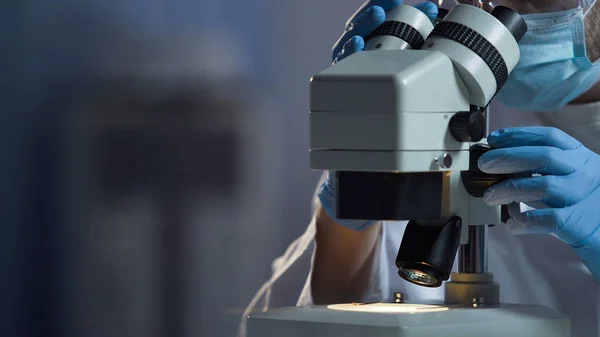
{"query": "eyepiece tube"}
{"type": "Point", "coordinates": [511, 20]}
{"type": "Point", "coordinates": [483, 47]}
{"type": "Point", "coordinates": [405, 27]}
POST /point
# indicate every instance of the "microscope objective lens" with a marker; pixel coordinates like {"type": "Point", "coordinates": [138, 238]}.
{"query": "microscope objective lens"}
{"type": "Point", "coordinates": [419, 277]}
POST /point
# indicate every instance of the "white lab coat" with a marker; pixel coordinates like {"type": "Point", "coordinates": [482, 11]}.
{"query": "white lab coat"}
{"type": "Point", "coordinates": [531, 269]}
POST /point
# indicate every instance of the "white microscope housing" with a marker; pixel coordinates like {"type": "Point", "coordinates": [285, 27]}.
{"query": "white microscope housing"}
{"type": "Point", "coordinates": [415, 110]}
{"type": "Point", "coordinates": [403, 128]}
{"type": "Point", "coordinates": [402, 125]}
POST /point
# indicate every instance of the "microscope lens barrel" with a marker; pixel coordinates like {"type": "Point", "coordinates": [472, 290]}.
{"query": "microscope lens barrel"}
{"type": "Point", "coordinates": [405, 27]}
{"type": "Point", "coordinates": [427, 252]}
{"type": "Point", "coordinates": [483, 47]}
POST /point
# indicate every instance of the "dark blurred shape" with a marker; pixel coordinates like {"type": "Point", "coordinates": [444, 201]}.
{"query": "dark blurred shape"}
{"type": "Point", "coordinates": [186, 140]}
{"type": "Point", "coordinates": [138, 163]}
{"type": "Point", "coordinates": [119, 165]}
{"type": "Point", "coordinates": [160, 151]}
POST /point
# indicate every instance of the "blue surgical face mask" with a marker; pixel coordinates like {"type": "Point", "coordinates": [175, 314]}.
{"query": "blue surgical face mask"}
{"type": "Point", "coordinates": [554, 68]}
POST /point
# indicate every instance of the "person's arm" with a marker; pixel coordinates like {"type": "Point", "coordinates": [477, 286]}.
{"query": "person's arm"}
{"type": "Point", "coordinates": [343, 260]}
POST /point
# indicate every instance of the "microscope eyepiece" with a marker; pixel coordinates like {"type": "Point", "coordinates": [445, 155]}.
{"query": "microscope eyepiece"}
{"type": "Point", "coordinates": [511, 20]}
{"type": "Point", "coordinates": [483, 47]}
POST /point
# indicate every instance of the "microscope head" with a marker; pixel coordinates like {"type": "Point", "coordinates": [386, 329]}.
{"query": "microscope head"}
{"type": "Point", "coordinates": [402, 125]}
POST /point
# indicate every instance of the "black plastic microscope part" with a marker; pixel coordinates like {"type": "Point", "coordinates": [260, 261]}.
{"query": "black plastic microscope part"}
{"type": "Point", "coordinates": [468, 126]}
{"type": "Point", "coordinates": [389, 196]}
{"type": "Point", "coordinates": [401, 30]}
{"type": "Point", "coordinates": [477, 182]}
{"type": "Point", "coordinates": [511, 20]}
{"type": "Point", "coordinates": [504, 215]}
{"type": "Point", "coordinates": [442, 12]}
{"type": "Point", "coordinates": [429, 249]}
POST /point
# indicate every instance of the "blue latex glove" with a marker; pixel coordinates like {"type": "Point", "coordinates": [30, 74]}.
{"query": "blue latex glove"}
{"type": "Point", "coordinates": [365, 20]}
{"type": "Point", "coordinates": [566, 180]}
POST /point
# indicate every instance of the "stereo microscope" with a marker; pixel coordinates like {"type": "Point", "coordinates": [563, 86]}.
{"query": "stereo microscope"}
{"type": "Point", "coordinates": [415, 102]}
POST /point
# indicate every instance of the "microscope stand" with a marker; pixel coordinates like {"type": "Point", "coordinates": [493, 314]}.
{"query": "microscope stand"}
{"type": "Point", "coordinates": [467, 321]}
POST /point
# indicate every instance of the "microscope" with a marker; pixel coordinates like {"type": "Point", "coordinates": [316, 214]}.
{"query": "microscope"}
{"type": "Point", "coordinates": [403, 125]}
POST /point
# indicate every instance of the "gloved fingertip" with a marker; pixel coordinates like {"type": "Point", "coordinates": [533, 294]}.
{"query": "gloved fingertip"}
{"type": "Point", "coordinates": [354, 45]}
{"type": "Point", "coordinates": [429, 9]}
{"type": "Point", "coordinates": [372, 17]}
{"type": "Point", "coordinates": [359, 44]}
{"type": "Point", "coordinates": [377, 15]}
{"type": "Point", "coordinates": [516, 227]}
{"type": "Point", "coordinates": [484, 163]}
{"type": "Point", "coordinates": [489, 197]}
{"type": "Point", "coordinates": [495, 137]}
{"type": "Point", "coordinates": [496, 133]}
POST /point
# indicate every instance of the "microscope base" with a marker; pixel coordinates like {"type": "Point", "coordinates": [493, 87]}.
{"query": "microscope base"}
{"type": "Point", "coordinates": [466, 321]}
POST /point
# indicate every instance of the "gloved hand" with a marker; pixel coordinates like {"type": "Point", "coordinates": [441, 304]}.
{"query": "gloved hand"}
{"type": "Point", "coordinates": [364, 21]}
{"type": "Point", "coordinates": [566, 180]}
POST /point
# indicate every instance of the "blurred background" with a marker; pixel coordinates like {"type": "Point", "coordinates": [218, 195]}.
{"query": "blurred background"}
{"type": "Point", "coordinates": [154, 159]}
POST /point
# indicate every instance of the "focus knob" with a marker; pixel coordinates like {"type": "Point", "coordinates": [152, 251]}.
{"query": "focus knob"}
{"type": "Point", "coordinates": [477, 182]}
{"type": "Point", "coordinates": [468, 126]}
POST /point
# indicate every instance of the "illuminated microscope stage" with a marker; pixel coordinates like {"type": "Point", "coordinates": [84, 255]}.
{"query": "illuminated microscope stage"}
{"type": "Point", "coordinates": [409, 320]}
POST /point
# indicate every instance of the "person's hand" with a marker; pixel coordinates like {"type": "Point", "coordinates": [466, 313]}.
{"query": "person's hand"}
{"type": "Point", "coordinates": [365, 20]}
{"type": "Point", "coordinates": [566, 180]}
